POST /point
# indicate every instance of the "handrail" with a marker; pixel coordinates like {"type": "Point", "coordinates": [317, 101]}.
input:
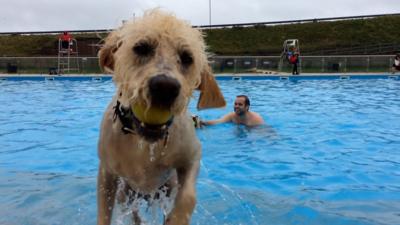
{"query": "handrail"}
{"type": "Point", "coordinates": [297, 21]}
{"type": "Point", "coordinates": [215, 25]}
{"type": "Point", "coordinates": [366, 49]}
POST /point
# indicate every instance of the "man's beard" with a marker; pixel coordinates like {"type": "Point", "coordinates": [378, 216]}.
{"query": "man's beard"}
{"type": "Point", "coordinates": [240, 112]}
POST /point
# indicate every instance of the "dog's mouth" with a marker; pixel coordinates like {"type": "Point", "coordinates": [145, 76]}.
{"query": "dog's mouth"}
{"type": "Point", "coordinates": [153, 115]}
{"type": "Point", "coordinates": [152, 118]}
{"type": "Point", "coordinates": [151, 123]}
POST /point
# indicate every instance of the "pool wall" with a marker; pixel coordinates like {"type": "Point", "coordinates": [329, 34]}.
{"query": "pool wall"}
{"type": "Point", "coordinates": [237, 77]}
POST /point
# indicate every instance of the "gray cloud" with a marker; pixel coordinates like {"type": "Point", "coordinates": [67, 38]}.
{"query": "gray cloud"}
{"type": "Point", "coordinates": [42, 15]}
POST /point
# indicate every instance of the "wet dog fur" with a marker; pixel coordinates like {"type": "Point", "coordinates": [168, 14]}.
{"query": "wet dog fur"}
{"type": "Point", "coordinates": [156, 45]}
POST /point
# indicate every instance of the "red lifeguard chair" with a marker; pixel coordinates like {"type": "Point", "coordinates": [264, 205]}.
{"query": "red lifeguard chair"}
{"type": "Point", "coordinates": [67, 54]}
{"type": "Point", "coordinates": [290, 47]}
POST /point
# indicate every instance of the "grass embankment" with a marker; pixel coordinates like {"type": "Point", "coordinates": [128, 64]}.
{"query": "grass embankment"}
{"type": "Point", "coordinates": [26, 45]}
{"type": "Point", "coordinates": [259, 40]}
{"type": "Point", "coordinates": [268, 40]}
{"type": "Point", "coordinates": [44, 45]}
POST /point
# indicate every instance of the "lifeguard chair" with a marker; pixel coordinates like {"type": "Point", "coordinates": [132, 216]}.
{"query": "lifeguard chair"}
{"type": "Point", "coordinates": [67, 56]}
{"type": "Point", "coordinates": [290, 47]}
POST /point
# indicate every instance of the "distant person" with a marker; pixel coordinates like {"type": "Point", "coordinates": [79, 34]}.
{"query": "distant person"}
{"type": "Point", "coordinates": [241, 114]}
{"type": "Point", "coordinates": [294, 60]}
{"type": "Point", "coordinates": [66, 40]}
{"type": "Point", "coordinates": [396, 63]}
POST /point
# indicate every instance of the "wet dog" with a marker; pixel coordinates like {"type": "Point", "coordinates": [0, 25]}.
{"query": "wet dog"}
{"type": "Point", "coordinates": [147, 138]}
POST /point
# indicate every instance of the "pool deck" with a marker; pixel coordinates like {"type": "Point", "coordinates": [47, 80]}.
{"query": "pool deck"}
{"type": "Point", "coordinates": [219, 76]}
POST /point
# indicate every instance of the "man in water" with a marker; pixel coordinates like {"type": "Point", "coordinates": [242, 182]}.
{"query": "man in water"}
{"type": "Point", "coordinates": [241, 114]}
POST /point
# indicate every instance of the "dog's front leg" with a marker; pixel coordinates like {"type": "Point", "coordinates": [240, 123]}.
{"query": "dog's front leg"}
{"type": "Point", "coordinates": [185, 200]}
{"type": "Point", "coordinates": [106, 189]}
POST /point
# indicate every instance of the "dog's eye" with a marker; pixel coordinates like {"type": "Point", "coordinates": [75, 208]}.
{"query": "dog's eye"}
{"type": "Point", "coordinates": [143, 49]}
{"type": "Point", "coordinates": [186, 58]}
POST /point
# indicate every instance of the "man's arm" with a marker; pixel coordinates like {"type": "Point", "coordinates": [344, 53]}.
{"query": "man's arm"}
{"type": "Point", "coordinates": [224, 119]}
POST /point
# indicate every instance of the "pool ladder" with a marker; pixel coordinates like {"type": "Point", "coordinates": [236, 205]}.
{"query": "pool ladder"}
{"type": "Point", "coordinates": [283, 78]}
{"type": "Point", "coordinates": [96, 79]}
{"type": "Point", "coordinates": [236, 78]}
{"type": "Point", "coordinates": [49, 78]}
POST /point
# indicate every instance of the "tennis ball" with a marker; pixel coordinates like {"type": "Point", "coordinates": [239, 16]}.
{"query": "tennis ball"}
{"type": "Point", "coordinates": [153, 115]}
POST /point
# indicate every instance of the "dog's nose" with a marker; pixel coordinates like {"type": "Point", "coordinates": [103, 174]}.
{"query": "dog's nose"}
{"type": "Point", "coordinates": [163, 90]}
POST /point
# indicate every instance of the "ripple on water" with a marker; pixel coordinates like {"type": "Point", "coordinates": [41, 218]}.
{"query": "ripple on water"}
{"type": "Point", "coordinates": [330, 154]}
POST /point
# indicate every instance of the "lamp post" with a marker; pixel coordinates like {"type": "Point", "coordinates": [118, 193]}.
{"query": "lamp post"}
{"type": "Point", "coordinates": [209, 12]}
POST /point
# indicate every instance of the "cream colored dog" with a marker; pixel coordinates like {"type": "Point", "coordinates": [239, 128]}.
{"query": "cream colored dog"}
{"type": "Point", "coordinates": [157, 62]}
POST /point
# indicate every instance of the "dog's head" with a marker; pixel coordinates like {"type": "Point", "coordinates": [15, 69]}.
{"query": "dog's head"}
{"type": "Point", "coordinates": [158, 61]}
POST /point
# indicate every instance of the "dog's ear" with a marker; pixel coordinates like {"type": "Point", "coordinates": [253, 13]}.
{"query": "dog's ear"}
{"type": "Point", "coordinates": [106, 53]}
{"type": "Point", "coordinates": [210, 94]}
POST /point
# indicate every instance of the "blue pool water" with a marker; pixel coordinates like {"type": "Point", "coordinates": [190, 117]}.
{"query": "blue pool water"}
{"type": "Point", "coordinates": [330, 156]}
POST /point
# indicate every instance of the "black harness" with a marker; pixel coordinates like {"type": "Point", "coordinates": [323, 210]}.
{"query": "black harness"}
{"type": "Point", "coordinates": [132, 125]}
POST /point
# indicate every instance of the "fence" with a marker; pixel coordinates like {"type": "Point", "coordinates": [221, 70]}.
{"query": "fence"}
{"type": "Point", "coordinates": [308, 64]}
{"type": "Point", "coordinates": [46, 65]}
{"type": "Point", "coordinates": [221, 64]}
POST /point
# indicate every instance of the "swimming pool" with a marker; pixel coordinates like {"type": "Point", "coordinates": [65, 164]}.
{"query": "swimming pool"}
{"type": "Point", "coordinates": [332, 157]}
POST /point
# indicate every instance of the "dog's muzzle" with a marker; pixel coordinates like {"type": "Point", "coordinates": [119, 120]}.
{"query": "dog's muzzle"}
{"type": "Point", "coordinates": [163, 90]}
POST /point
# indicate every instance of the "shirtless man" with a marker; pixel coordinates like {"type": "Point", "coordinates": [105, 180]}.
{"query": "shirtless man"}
{"type": "Point", "coordinates": [241, 114]}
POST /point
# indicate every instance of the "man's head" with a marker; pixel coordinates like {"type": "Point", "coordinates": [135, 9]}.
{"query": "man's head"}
{"type": "Point", "coordinates": [242, 105]}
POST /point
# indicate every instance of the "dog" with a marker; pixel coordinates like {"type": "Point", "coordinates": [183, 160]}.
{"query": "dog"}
{"type": "Point", "coordinates": [157, 62]}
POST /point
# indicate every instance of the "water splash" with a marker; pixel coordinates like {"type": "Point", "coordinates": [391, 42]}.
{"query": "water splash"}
{"type": "Point", "coordinates": [245, 207]}
{"type": "Point", "coordinates": [151, 208]}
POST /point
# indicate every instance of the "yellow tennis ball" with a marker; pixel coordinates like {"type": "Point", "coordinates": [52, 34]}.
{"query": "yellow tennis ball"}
{"type": "Point", "coordinates": [153, 115]}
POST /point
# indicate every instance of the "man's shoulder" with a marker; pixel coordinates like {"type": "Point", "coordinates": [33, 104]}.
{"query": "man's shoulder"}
{"type": "Point", "coordinates": [255, 114]}
{"type": "Point", "coordinates": [257, 117]}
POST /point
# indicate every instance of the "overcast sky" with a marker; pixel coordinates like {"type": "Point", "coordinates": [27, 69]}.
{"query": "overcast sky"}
{"type": "Point", "coordinates": [50, 15]}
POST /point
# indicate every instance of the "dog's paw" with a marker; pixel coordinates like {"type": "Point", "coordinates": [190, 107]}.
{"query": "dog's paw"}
{"type": "Point", "coordinates": [174, 219]}
{"type": "Point", "coordinates": [182, 212]}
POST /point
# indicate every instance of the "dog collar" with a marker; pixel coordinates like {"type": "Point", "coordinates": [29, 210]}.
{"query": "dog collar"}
{"type": "Point", "coordinates": [132, 125]}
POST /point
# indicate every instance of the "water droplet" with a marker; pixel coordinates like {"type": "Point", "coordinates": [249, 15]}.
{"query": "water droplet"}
{"type": "Point", "coordinates": [140, 144]}
{"type": "Point", "coordinates": [152, 148]}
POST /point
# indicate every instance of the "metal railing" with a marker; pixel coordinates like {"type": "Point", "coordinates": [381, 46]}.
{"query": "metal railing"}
{"type": "Point", "coordinates": [222, 64]}
{"type": "Point", "coordinates": [282, 22]}
{"type": "Point", "coordinates": [370, 49]}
